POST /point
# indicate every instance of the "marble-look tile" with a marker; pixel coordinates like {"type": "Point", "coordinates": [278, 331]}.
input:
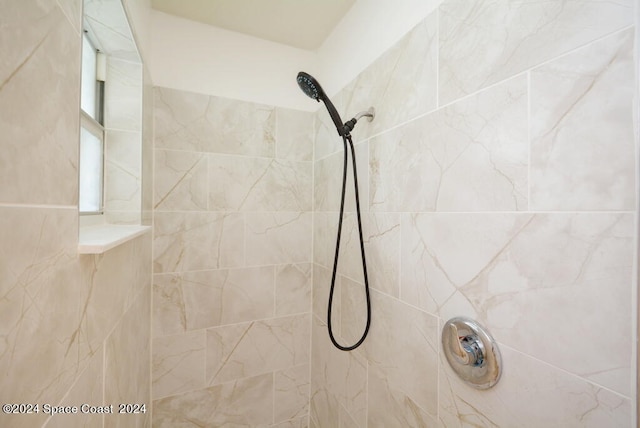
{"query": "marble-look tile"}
{"type": "Point", "coordinates": [113, 281]}
{"type": "Point", "coordinates": [88, 388]}
{"type": "Point", "coordinates": [469, 156]}
{"type": "Point", "coordinates": [178, 363]}
{"type": "Point", "coordinates": [122, 217]}
{"type": "Point", "coordinates": [225, 296]}
{"type": "Point", "coordinates": [241, 183]}
{"type": "Point", "coordinates": [337, 375]}
{"type": "Point", "coordinates": [301, 422]}
{"type": "Point", "coordinates": [400, 85]}
{"type": "Point", "coordinates": [326, 138]}
{"type": "Point", "coordinates": [324, 403]}
{"type": "Point", "coordinates": [354, 394]}
{"type": "Point", "coordinates": [346, 420]}
{"type": "Point", "coordinates": [442, 251]}
{"type": "Point", "coordinates": [293, 288]}
{"type": "Point", "coordinates": [73, 10]}
{"type": "Point", "coordinates": [127, 360]}
{"type": "Point", "coordinates": [294, 134]}
{"type": "Point", "coordinates": [245, 402]}
{"type": "Point", "coordinates": [482, 42]}
{"type": "Point", "coordinates": [40, 55]}
{"type": "Point", "coordinates": [61, 306]}
{"type": "Point", "coordinates": [108, 20]}
{"type": "Point", "coordinates": [325, 228]}
{"type": "Point", "coordinates": [321, 287]}
{"type": "Point", "coordinates": [353, 315]}
{"type": "Point", "coordinates": [193, 241]}
{"type": "Point", "coordinates": [197, 122]}
{"type": "Point", "coordinates": [230, 296]}
{"type": "Point", "coordinates": [122, 171]}
{"type": "Point", "coordinates": [323, 409]}
{"type": "Point", "coordinates": [147, 171]}
{"type": "Point", "coordinates": [530, 394]}
{"type": "Point", "coordinates": [43, 344]}
{"type": "Point", "coordinates": [402, 346]}
{"type": "Point", "coordinates": [291, 393]}
{"type": "Point", "coordinates": [381, 233]}
{"type": "Point", "coordinates": [328, 174]}
{"type": "Point", "coordinates": [123, 95]}
{"type": "Point", "coordinates": [382, 249]}
{"type": "Point", "coordinates": [180, 181]}
{"type": "Point", "coordinates": [506, 269]}
{"type": "Point", "coordinates": [169, 311]}
{"type": "Point", "coordinates": [390, 407]}
{"type": "Point", "coordinates": [350, 255]}
{"type": "Point", "coordinates": [582, 148]}
{"type": "Point", "coordinates": [278, 237]}
{"type": "Point", "coordinates": [241, 350]}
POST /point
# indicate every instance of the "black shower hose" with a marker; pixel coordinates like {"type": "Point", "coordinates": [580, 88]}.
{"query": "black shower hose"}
{"type": "Point", "coordinates": [335, 260]}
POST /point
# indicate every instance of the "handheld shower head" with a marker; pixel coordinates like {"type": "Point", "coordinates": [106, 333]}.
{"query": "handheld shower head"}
{"type": "Point", "coordinates": [310, 86]}
{"type": "Point", "coordinates": [312, 89]}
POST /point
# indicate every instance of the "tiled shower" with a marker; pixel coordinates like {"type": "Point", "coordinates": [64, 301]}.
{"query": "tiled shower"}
{"type": "Point", "coordinates": [498, 182]}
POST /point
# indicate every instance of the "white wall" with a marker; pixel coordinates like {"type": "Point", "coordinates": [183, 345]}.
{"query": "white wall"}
{"type": "Point", "coordinates": [196, 57]}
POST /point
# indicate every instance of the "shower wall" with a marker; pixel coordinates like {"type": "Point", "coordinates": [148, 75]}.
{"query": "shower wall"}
{"type": "Point", "coordinates": [232, 262]}
{"type": "Point", "coordinates": [75, 328]}
{"type": "Point", "coordinates": [498, 182]}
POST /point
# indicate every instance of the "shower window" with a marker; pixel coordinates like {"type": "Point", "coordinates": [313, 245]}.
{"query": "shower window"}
{"type": "Point", "coordinates": [91, 168]}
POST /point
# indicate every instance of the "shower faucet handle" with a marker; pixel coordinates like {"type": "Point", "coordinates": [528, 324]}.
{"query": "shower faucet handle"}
{"type": "Point", "coordinates": [471, 352]}
{"type": "Point", "coordinates": [466, 349]}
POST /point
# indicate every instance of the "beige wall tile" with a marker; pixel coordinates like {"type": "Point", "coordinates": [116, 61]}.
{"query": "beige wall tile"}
{"type": "Point", "coordinates": [400, 85]}
{"type": "Point", "coordinates": [230, 296]}
{"type": "Point", "coordinates": [294, 135]}
{"type": "Point", "coordinates": [38, 266]}
{"type": "Point", "coordinates": [169, 311]}
{"type": "Point", "coordinates": [506, 270]}
{"type": "Point", "coordinates": [245, 402]}
{"type": "Point", "coordinates": [530, 394]}
{"type": "Point", "coordinates": [483, 42]}
{"type": "Point", "coordinates": [248, 349]}
{"type": "Point", "coordinates": [582, 147]}
{"type": "Point", "coordinates": [328, 180]}
{"type": "Point", "coordinates": [127, 361]}
{"type": "Point", "coordinates": [301, 422]}
{"type": "Point", "coordinates": [469, 156]}
{"type": "Point", "coordinates": [200, 240]}
{"type": "Point", "coordinates": [197, 122]}
{"type": "Point", "coordinates": [241, 183]}
{"type": "Point", "coordinates": [180, 181]}
{"type": "Point", "coordinates": [58, 308]}
{"type": "Point", "coordinates": [39, 160]}
{"type": "Point", "coordinates": [178, 363]}
{"type": "Point", "coordinates": [382, 249]}
{"type": "Point", "coordinates": [291, 393]}
{"type": "Point", "coordinates": [389, 406]}
{"type": "Point", "coordinates": [123, 177]}
{"type": "Point", "coordinates": [293, 288]}
{"type": "Point", "coordinates": [88, 389]}
{"type": "Point", "coordinates": [278, 237]}
{"type": "Point", "coordinates": [123, 95]}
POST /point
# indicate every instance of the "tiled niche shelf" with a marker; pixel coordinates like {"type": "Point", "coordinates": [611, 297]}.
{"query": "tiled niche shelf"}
{"type": "Point", "coordinates": [100, 238]}
{"type": "Point", "coordinates": [121, 220]}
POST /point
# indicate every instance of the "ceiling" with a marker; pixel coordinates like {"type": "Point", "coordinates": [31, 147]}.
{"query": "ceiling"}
{"type": "Point", "coordinates": [303, 24]}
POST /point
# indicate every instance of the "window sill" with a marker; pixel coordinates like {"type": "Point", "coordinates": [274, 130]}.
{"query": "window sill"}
{"type": "Point", "coordinates": [100, 238]}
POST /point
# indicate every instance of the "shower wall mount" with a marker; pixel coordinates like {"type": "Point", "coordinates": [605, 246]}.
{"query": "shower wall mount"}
{"type": "Point", "coordinates": [471, 352]}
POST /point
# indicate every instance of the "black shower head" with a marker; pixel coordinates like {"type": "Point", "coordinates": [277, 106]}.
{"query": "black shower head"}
{"type": "Point", "coordinates": [312, 88]}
